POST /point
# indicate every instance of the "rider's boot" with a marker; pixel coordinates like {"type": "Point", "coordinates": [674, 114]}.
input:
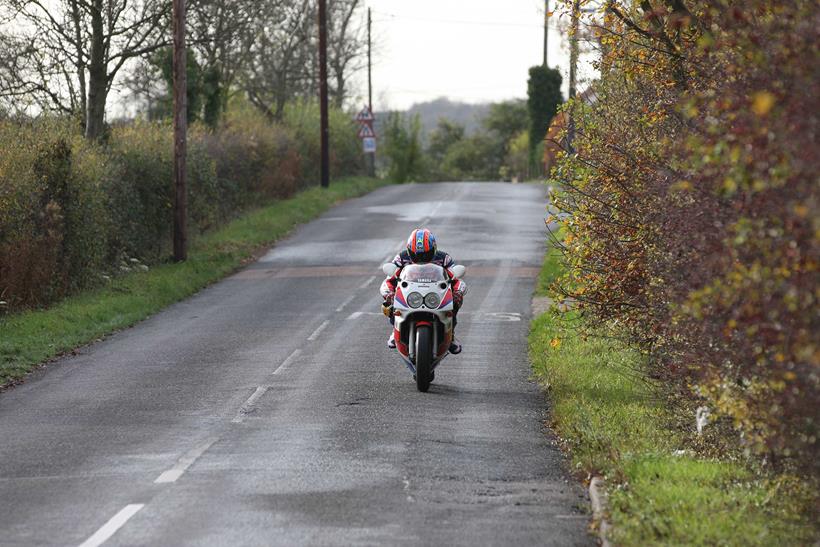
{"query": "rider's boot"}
{"type": "Point", "coordinates": [391, 342]}
{"type": "Point", "coordinates": [455, 346]}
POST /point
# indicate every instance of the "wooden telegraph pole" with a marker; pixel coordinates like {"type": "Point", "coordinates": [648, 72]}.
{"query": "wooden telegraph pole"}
{"type": "Point", "coordinates": [371, 156]}
{"type": "Point", "coordinates": [546, 29]}
{"type": "Point", "coordinates": [369, 66]}
{"type": "Point", "coordinates": [180, 132]}
{"type": "Point", "coordinates": [325, 132]}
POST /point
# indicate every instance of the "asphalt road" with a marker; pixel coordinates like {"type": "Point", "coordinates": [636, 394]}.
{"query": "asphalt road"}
{"type": "Point", "coordinates": [266, 410]}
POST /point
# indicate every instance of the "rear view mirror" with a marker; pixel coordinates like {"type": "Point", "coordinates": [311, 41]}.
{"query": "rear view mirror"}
{"type": "Point", "coordinates": [458, 271]}
{"type": "Point", "coordinates": [389, 269]}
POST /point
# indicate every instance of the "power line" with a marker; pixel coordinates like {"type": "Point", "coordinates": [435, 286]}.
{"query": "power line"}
{"type": "Point", "coordinates": [463, 21]}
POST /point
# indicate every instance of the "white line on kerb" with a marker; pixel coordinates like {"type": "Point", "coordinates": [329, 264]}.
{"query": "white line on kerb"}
{"type": "Point", "coordinates": [288, 361]}
{"type": "Point", "coordinates": [318, 331]}
{"type": "Point", "coordinates": [370, 280]}
{"type": "Point", "coordinates": [185, 462]}
{"type": "Point", "coordinates": [347, 301]}
{"type": "Point", "coordinates": [110, 528]}
{"type": "Point", "coordinates": [244, 409]}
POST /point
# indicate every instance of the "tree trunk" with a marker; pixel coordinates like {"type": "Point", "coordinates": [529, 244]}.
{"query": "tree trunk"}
{"type": "Point", "coordinates": [79, 61]}
{"type": "Point", "coordinates": [339, 92]}
{"type": "Point", "coordinates": [97, 76]}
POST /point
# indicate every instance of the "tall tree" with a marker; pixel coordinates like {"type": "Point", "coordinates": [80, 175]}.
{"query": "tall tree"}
{"type": "Point", "coordinates": [281, 50]}
{"type": "Point", "coordinates": [543, 99]}
{"type": "Point", "coordinates": [445, 135]}
{"type": "Point", "coordinates": [162, 61]}
{"type": "Point", "coordinates": [507, 118]}
{"type": "Point", "coordinates": [402, 137]}
{"type": "Point", "coordinates": [346, 46]}
{"type": "Point", "coordinates": [222, 36]}
{"type": "Point", "coordinates": [64, 55]}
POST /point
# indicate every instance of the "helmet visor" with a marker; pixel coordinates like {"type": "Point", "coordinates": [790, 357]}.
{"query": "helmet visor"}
{"type": "Point", "coordinates": [423, 257]}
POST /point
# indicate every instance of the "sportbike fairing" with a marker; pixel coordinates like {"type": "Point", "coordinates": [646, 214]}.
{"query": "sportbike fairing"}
{"type": "Point", "coordinates": [423, 297]}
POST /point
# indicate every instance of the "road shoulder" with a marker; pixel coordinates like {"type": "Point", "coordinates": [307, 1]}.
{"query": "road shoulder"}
{"type": "Point", "coordinates": [658, 487]}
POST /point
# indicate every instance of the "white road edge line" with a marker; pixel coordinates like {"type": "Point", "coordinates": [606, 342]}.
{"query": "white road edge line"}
{"type": "Point", "coordinates": [318, 331]}
{"type": "Point", "coordinates": [287, 361]}
{"type": "Point", "coordinates": [110, 528]}
{"type": "Point", "coordinates": [182, 465]}
{"type": "Point", "coordinates": [245, 408]}
{"type": "Point", "coordinates": [355, 315]}
{"type": "Point", "coordinates": [347, 301]}
{"type": "Point", "coordinates": [370, 280]}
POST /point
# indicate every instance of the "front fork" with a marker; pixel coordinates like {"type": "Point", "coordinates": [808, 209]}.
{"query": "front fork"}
{"type": "Point", "coordinates": [411, 341]}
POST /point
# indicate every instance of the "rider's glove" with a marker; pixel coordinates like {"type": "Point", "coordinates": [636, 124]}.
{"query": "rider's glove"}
{"type": "Point", "coordinates": [387, 307]}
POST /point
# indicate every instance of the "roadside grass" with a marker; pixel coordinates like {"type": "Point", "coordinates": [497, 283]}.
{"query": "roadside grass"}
{"type": "Point", "coordinates": [660, 491]}
{"type": "Point", "coordinates": [32, 337]}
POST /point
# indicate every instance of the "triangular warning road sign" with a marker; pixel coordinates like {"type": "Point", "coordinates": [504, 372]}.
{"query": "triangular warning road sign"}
{"type": "Point", "coordinates": [365, 115]}
{"type": "Point", "coordinates": [365, 131]}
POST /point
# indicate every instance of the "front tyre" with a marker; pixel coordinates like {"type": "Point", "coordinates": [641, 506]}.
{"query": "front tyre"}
{"type": "Point", "coordinates": [424, 358]}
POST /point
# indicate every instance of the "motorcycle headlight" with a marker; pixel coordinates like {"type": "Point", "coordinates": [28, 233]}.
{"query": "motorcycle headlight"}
{"type": "Point", "coordinates": [414, 299]}
{"type": "Point", "coordinates": [432, 300]}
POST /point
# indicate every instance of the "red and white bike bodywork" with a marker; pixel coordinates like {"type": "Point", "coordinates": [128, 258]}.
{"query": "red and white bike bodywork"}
{"type": "Point", "coordinates": [423, 314]}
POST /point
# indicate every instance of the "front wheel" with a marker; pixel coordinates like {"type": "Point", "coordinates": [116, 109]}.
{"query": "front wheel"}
{"type": "Point", "coordinates": [424, 358]}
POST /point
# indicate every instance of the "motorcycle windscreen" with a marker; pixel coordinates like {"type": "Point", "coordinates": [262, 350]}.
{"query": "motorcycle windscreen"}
{"type": "Point", "coordinates": [423, 273]}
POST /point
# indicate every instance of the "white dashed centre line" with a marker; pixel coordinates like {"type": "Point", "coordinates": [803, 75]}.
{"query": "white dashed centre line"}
{"type": "Point", "coordinates": [287, 361]}
{"type": "Point", "coordinates": [185, 462]}
{"type": "Point", "coordinates": [357, 314]}
{"type": "Point", "coordinates": [347, 301]}
{"type": "Point", "coordinates": [249, 404]}
{"type": "Point", "coordinates": [370, 280]}
{"type": "Point", "coordinates": [110, 528]}
{"type": "Point", "coordinates": [318, 331]}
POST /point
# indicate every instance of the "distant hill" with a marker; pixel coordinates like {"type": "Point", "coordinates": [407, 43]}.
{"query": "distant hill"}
{"type": "Point", "coordinates": [466, 114]}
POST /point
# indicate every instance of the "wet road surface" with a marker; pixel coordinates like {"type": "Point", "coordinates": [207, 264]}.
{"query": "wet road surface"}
{"type": "Point", "coordinates": [266, 410]}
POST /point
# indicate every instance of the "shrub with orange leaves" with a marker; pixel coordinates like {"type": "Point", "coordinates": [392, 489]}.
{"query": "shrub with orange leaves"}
{"type": "Point", "coordinates": [693, 191]}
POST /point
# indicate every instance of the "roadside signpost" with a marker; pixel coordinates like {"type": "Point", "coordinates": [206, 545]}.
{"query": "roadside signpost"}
{"type": "Point", "coordinates": [368, 136]}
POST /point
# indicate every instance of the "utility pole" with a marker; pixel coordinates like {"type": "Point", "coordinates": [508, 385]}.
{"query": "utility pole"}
{"type": "Point", "coordinates": [325, 132]}
{"type": "Point", "coordinates": [371, 157]}
{"type": "Point", "coordinates": [369, 65]}
{"type": "Point", "coordinates": [573, 68]}
{"type": "Point", "coordinates": [180, 133]}
{"type": "Point", "coordinates": [546, 29]}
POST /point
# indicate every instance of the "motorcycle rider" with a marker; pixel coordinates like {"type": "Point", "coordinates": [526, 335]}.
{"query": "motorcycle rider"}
{"type": "Point", "coordinates": [421, 249]}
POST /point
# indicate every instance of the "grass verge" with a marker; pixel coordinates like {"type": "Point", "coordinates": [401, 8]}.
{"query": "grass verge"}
{"type": "Point", "coordinates": [29, 338]}
{"type": "Point", "coordinates": [660, 491]}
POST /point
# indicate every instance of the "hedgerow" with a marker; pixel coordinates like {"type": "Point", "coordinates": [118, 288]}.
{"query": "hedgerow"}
{"type": "Point", "coordinates": [73, 213]}
{"type": "Point", "coordinates": [694, 226]}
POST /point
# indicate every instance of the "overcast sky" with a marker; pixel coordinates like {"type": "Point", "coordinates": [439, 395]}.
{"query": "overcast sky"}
{"type": "Point", "coordinates": [467, 50]}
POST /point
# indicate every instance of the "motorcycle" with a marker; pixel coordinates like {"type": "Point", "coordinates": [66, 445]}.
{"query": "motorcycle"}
{"type": "Point", "coordinates": [423, 313]}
